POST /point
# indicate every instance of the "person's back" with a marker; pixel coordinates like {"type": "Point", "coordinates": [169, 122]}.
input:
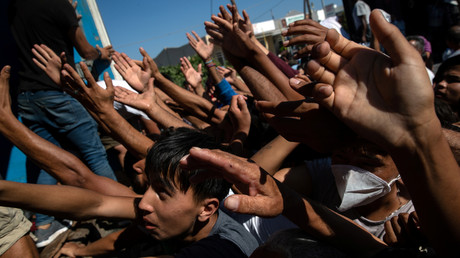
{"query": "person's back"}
{"type": "Point", "coordinates": [41, 22]}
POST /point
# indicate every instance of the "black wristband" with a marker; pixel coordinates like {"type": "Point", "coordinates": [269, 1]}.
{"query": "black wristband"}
{"type": "Point", "coordinates": [99, 54]}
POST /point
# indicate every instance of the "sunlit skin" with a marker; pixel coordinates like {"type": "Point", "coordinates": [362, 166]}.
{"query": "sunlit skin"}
{"type": "Point", "coordinates": [447, 87]}
{"type": "Point", "coordinates": [172, 213]}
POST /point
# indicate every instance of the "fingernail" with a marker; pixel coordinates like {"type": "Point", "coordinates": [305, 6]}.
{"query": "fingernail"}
{"type": "Point", "coordinates": [7, 69]}
{"type": "Point", "coordinates": [184, 157]}
{"type": "Point", "coordinates": [294, 82]}
{"type": "Point", "coordinates": [285, 43]}
{"type": "Point", "coordinates": [232, 204]}
{"type": "Point", "coordinates": [240, 97]}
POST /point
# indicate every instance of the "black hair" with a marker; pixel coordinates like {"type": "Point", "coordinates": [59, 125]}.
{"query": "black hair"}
{"type": "Point", "coordinates": [445, 66]}
{"type": "Point", "coordinates": [162, 164]}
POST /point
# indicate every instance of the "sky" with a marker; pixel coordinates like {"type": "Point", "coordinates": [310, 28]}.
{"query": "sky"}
{"type": "Point", "coordinates": [158, 24]}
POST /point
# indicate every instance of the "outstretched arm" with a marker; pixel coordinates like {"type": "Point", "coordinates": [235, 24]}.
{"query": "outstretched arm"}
{"type": "Point", "coordinates": [189, 101]}
{"type": "Point", "coordinates": [389, 101]}
{"type": "Point", "coordinates": [99, 103]}
{"type": "Point", "coordinates": [147, 103]}
{"type": "Point", "coordinates": [231, 34]}
{"type": "Point", "coordinates": [61, 164]}
{"type": "Point", "coordinates": [66, 201]}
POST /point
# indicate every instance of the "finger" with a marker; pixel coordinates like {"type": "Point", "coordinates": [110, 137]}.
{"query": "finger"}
{"type": "Point", "coordinates": [40, 57]}
{"type": "Point", "coordinates": [242, 105]}
{"type": "Point", "coordinates": [43, 52]}
{"type": "Point", "coordinates": [324, 55]}
{"type": "Point", "coordinates": [108, 83]}
{"type": "Point", "coordinates": [234, 102]}
{"type": "Point", "coordinates": [89, 77]}
{"type": "Point", "coordinates": [48, 50]}
{"type": "Point", "coordinates": [73, 78]}
{"type": "Point", "coordinates": [222, 23]}
{"type": "Point", "coordinates": [396, 227]}
{"type": "Point", "coordinates": [254, 205]}
{"type": "Point", "coordinates": [200, 71]}
{"type": "Point", "coordinates": [187, 62]}
{"type": "Point", "coordinates": [392, 40]}
{"type": "Point", "coordinates": [319, 73]}
{"type": "Point", "coordinates": [119, 69]}
{"type": "Point", "coordinates": [246, 17]}
{"type": "Point", "coordinates": [39, 64]}
{"type": "Point", "coordinates": [63, 58]}
{"type": "Point", "coordinates": [198, 39]}
{"type": "Point", "coordinates": [342, 46]}
{"type": "Point", "coordinates": [216, 36]}
{"type": "Point", "coordinates": [128, 60]}
{"type": "Point", "coordinates": [304, 52]}
{"type": "Point", "coordinates": [5, 80]}
{"type": "Point", "coordinates": [191, 40]}
{"type": "Point", "coordinates": [225, 14]}
{"type": "Point", "coordinates": [286, 108]}
{"type": "Point", "coordinates": [389, 237]}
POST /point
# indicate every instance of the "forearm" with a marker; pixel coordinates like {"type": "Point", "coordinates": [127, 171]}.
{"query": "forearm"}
{"type": "Point", "coordinates": [123, 132]}
{"type": "Point", "coordinates": [431, 175]}
{"type": "Point", "coordinates": [62, 165]}
{"type": "Point", "coordinates": [281, 81]}
{"type": "Point", "coordinates": [261, 88]}
{"type": "Point", "coordinates": [165, 119]}
{"type": "Point", "coordinates": [271, 156]}
{"type": "Point", "coordinates": [189, 101]}
{"type": "Point", "coordinates": [240, 85]}
{"type": "Point", "coordinates": [65, 201]}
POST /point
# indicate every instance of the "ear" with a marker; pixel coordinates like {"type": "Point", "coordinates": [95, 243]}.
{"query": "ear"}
{"type": "Point", "coordinates": [208, 208]}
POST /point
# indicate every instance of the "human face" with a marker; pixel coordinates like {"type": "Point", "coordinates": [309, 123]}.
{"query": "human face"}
{"type": "Point", "coordinates": [370, 160]}
{"type": "Point", "coordinates": [447, 88]}
{"type": "Point", "coordinates": [169, 213]}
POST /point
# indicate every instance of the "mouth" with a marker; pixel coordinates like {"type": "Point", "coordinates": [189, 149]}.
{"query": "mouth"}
{"type": "Point", "coordinates": [149, 225]}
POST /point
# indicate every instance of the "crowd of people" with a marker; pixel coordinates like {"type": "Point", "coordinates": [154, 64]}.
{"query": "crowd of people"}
{"type": "Point", "coordinates": [356, 157]}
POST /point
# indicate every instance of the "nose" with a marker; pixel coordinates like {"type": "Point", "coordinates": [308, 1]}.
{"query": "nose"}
{"type": "Point", "coordinates": [441, 86]}
{"type": "Point", "coordinates": [145, 204]}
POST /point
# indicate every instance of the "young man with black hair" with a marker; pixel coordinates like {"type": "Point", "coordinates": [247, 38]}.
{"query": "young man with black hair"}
{"type": "Point", "coordinates": [172, 208]}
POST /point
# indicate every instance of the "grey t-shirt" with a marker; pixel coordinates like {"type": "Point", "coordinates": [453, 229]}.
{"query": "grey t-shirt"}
{"type": "Point", "coordinates": [229, 229]}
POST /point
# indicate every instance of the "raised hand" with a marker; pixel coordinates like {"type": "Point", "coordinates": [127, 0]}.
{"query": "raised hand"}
{"type": "Point", "coordinates": [152, 66]}
{"type": "Point", "coordinates": [192, 76]}
{"type": "Point", "coordinates": [263, 199]}
{"type": "Point", "coordinates": [239, 115]}
{"type": "Point", "coordinates": [144, 101]}
{"type": "Point", "coordinates": [310, 32]}
{"type": "Point", "coordinates": [385, 99]}
{"type": "Point", "coordinates": [131, 72]}
{"type": "Point", "coordinates": [106, 52]}
{"type": "Point", "coordinates": [95, 99]}
{"type": "Point", "coordinates": [203, 50]}
{"type": "Point", "coordinates": [230, 36]}
{"type": "Point", "coordinates": [228, 73]}
{"type": "Point", "coordinates": [48, 61]}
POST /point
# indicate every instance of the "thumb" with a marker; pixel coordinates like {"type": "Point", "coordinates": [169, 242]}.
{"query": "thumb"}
{"type": "Point", "coordinates": [391, 38]}
{"type": "Point", "coordinates": [254, 205]}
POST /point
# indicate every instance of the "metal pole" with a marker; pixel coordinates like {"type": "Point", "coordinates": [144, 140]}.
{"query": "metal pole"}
{"type": "Point", "coordinates": [309, 9]}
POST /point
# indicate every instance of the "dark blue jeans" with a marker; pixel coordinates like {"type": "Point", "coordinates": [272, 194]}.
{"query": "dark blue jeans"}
{"type": "Point", "coordinates": [62, 120]}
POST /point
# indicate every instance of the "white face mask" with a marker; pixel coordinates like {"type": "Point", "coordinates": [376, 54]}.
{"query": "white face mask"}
{"type": "Point", "coordinates": [357, 187]}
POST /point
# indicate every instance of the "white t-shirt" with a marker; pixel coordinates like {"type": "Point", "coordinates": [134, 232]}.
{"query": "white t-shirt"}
{"type": "Point", "coordinates": [124, 110]}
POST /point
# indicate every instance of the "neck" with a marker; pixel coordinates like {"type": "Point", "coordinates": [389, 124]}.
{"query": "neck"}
{"type": "Point", "coordinates": [383, 207]}
{"type": "Point", "coordinates": [202, 229]}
